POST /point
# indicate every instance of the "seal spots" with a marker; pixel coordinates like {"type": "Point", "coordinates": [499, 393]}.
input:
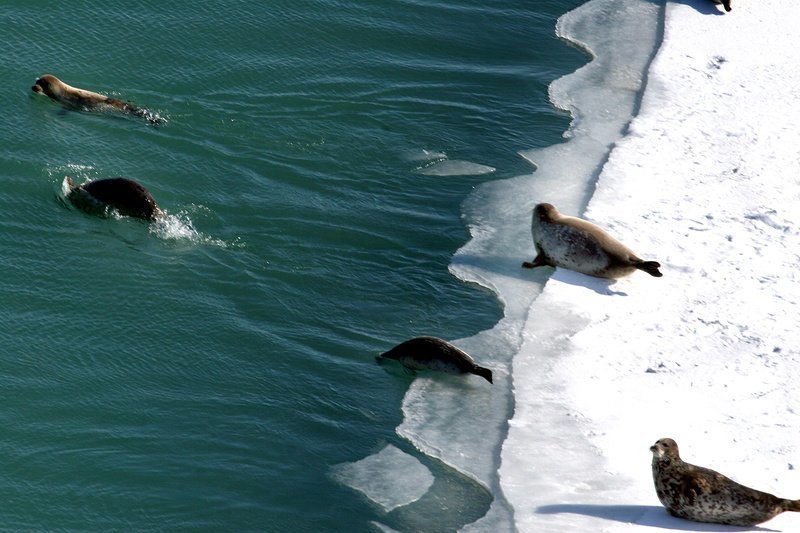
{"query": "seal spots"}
{"type": "Point", "coordinates": [703, 495]}
{"type": "Point", "coordinates": [84, 100]}
{"type": "Point", "coordinates": [126, 196]}
{"type": "Point", "coordinates": [579, 245]}
{"type": "Point", "coordinates": [431, 353]}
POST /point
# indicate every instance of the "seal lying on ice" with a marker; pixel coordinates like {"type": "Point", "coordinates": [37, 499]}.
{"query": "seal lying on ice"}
{"type": "Point", "coordinates": [431, 353]}
{"type": "Point", "coordinates": [579, 245]}
{"type": "Point", "coordinates": [81, 99]}
{"type": "Point", "coordinates": [703, 495]}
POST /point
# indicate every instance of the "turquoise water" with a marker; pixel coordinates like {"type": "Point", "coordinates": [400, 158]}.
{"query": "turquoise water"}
{"type": "Point", "coordinates": [207, 373]}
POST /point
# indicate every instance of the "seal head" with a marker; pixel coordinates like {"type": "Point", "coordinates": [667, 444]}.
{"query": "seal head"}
{"type": "Point", "coordinates": [126, 196]}
{"type": "Point", "coordinates": [703, 495]}
{"type": "Point", "coordinates": [579, 245]}
{"type": "Point", "coordinates": [431, 353]}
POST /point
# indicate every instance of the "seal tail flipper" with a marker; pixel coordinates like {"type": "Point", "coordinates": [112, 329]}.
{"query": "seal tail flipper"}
{"type": "Point", "coordinates": [651, 267]}
{"type": "Point", "coordinates": [485, 373]}
{"type": "Point", "coordinates": [791, 505]}
{"type": "Point", "coordinates": [726, 4]}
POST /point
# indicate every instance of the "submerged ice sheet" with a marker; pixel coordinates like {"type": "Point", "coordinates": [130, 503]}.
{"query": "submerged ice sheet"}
{"type": "Point", "coordinates": [391, 478]}
{"type": "Point", "coordinates": [455, 167]}
{"type": "Point", "coordinates": [705, 182]}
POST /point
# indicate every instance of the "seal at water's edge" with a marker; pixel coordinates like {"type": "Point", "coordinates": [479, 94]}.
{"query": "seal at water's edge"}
{"type": "Point", "coordinates": [126, 196]}
{"type": "Point", "coordinates": [579, 245]}
{"type": "Point", "coordinates": [81, 99]}
{"type": "Point", "coordinates": [703, 495]}
{"type": "Point", "coordinates": [431, 353]}
{"type": "Point", "coordinates": [725, 3]}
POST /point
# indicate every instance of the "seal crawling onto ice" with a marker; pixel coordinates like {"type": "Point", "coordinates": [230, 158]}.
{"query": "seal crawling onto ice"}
{"type": "Point", "coordinates": [431, 353]}
{"type": "Point", "coordinates": [579, 245]}
{"type": "Point", "coordinates": [84, 100]}
{"type": "Point", "coordinates": [703, 495]}
{"type": "Point", "coordinates": [126, 196]}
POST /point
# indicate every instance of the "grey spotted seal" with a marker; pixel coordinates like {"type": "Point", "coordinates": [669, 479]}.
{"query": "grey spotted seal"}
{"type": "Point", "coordinates": [126, 196]}
{"type": "Point", "coordinates": [84, 100]}
{"type": "Point", "coordinates": [579, 245]}
{"type": "Point", "coordinates": [703, 495]}
{"type": "Point", "coordinates": [725, 3]}
{"type": "Point", "coordinates": [431, 353]}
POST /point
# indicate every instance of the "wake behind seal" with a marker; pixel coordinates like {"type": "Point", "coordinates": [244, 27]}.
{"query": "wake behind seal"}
{"type": "Point", "coordinates": [84, 100]}
{"type": "Point", "coordinates": [124, 195]}
{"type": "Point", "coordinates": [579, 245]}
{"type": "Point", "coordinates": [431, 353]}
{"type": "Point", "coordinates": [704, 495]}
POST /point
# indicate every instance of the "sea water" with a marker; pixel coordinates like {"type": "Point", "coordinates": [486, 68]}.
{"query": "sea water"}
{"type": "Point", "coordinates": [216, 370]}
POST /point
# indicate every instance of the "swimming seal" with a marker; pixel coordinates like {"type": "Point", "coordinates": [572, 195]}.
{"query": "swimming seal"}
{"type": "Point", "coordinates": [703, 495]}
{"type": "Point", "coordinates": [81, 99]}
{"type": "Point", "coordinates": [579, 245]}
{"type": "Point", "coordinates": [725, 3]}
{"type": "Point", "coordinates": [431, 353]}
{"type": "Point", "coordinates": [126, 196]}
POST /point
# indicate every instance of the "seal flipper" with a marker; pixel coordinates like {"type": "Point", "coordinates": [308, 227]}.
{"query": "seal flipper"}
{"type": "Point", "coordinates": [791, 505]}
{"type": "Point", "coordinates": [482, 372]}
{"type": "Point", "coordinates": [538, 261]}
{"type": "Point", "coordinates": [651, 267]}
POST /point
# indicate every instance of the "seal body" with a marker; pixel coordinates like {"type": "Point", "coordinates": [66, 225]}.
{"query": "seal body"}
{"type": "Point", "coordinates": [579, 245]}
{"type": "Point", "coordinates": [431, 353]}
{"type": "Point", "coordinates": [703, 495]}
{"type": "Point", "coordinates": [128, 197]}
{"type": "Point", "coordinates": [84, 100]}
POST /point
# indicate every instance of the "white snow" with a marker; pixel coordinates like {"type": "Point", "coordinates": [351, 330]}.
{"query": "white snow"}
{"type": "Point", "coordinates": [707, 182]}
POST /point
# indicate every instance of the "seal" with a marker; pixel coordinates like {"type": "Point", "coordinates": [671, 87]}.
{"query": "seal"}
{"type": "Point", "coordinates": [703, 495]}
{"type": "Point", "coordinates": [80, 99]}
{"type": "Point", "coordinates": [725, 3]}
{"type": "Point", "coordinates": [431, 353]}
{"type": "Point", "coordinates": [126, 196]}
{"type": "Point", "coordinates": [579, 245]}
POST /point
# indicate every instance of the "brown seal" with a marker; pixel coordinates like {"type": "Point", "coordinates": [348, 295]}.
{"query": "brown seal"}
{"type": "Point", "coordinates": [579, 245]}
{"type": "Point", "coordinates": [81, 99]}
{"type": "Point", "coordinates": [126, 196]}
{"type": "Point", "coordinates": [431, 353]}
{"type": "Point", "coordinates": [703, 495]}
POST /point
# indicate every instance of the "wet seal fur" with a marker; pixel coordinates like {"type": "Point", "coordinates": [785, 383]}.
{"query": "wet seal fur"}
{"type": "Point", "coordinates": [431, 353]}
{"type": "Point", "coordinates": [126, 196]}
{"type": "Point", "coordinates": [703, 495]}
{"type": "Point", "coordinates": [725, 3]}
{"type": "Point", "coordinates": [80, 99]}
{"type": "Point", "coordinates": [579, 245]}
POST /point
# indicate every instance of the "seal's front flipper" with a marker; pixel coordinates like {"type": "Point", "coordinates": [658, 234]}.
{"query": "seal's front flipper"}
{"type": "Point", "coordinates": [538, 261]}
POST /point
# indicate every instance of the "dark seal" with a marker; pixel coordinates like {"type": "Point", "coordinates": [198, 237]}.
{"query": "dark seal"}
{"type": "Point", "coordinates": [579, 245]}
{"type": "Point", "coordinates": [703, 495]}
{"type": "Point", "coordinates": [431, 353]}
{"type": "Point", "coordinates": [84, 100]}
{"type": "Point", "coordinates": [126, 196]}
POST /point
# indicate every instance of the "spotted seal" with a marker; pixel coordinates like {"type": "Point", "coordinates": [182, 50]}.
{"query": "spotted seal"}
{"type": "Point", "coordinates": [84, 100]}
{"type": "Point", "coordinates": [126, 196]}
{"type": "Point", "coordinates": [577, 244]}
{"type": "Point", "coordinates": [431, 353]}
{"type": "Point", "coordinates": [703, 495]}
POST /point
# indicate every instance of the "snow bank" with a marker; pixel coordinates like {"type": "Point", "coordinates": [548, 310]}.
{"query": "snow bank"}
{"type": "Point", "coordinates": [707, 182]}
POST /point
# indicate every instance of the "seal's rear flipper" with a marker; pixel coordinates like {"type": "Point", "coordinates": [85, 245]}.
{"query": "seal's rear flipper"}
{"type": "Point", "coordinates": [483, 372]}
{"type": "Point", "coordinates": [651, 267]}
